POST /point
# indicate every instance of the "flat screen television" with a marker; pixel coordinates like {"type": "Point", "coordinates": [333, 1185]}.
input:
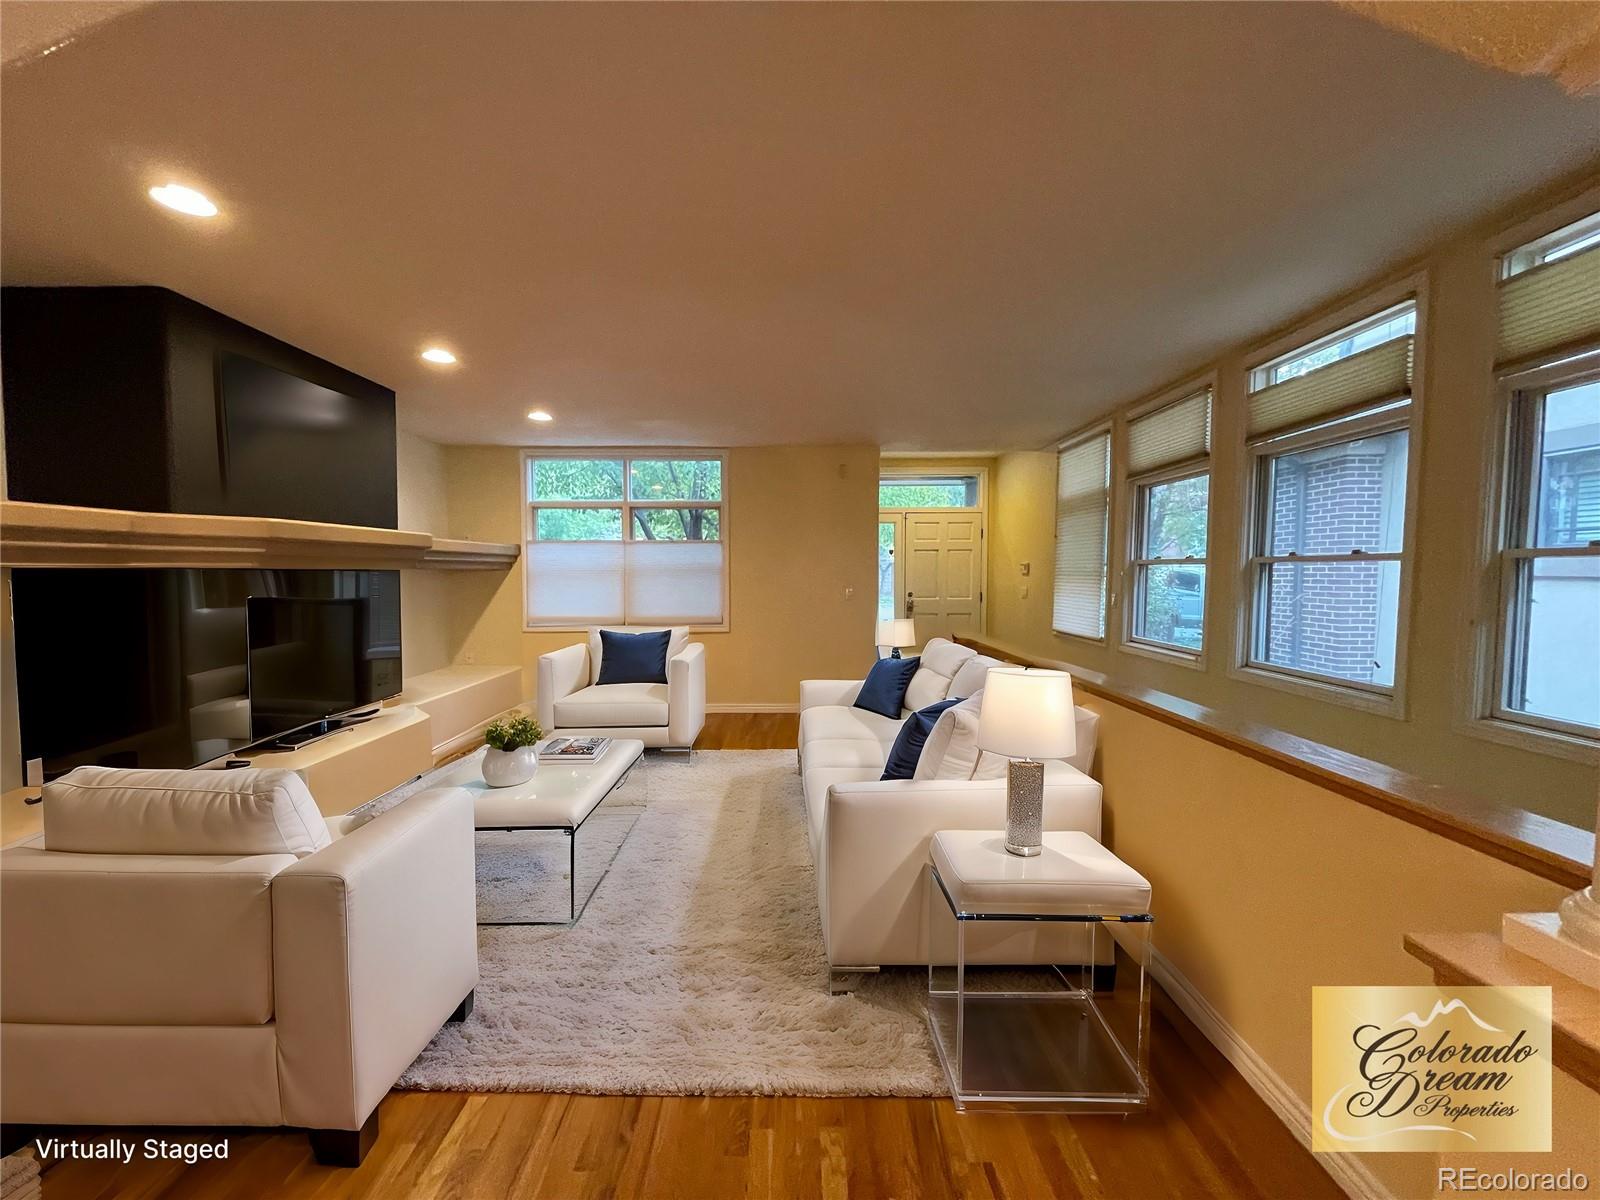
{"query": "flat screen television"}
{"type": "Point", "coordinates": [153, 668]}
{"type": "Point", "coordinates": [310, 659]}
{"type": "Point", "coordinates": [293, 448]}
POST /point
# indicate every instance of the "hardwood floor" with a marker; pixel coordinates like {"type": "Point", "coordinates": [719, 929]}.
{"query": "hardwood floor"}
{"type": "Point", "coordinates": [1207, 1135]}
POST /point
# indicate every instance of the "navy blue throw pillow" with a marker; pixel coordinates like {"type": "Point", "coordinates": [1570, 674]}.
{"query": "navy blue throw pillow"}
{"type": "Point", "coordinates": [884, 691]}
{"type": "Point", "coordinates": [914, 733]}
{"type": "Point", "coordinates": [634, 657]}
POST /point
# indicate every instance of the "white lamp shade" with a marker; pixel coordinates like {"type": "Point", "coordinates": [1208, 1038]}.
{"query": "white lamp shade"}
{"type": "Point", "coordinates": [897, 631]}
{"type": "Point", "coordinates": [1027, 714]}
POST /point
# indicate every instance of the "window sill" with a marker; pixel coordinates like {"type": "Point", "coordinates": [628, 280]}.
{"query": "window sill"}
{"type": "Point", "coordinates": [1527, 840]}
{"type": "Point", "coordinates": [1194, 660]}
{"type": "Point", "coordinates": [1529, 737]}
{"type": "Point", "coordinates": [1390, 705]}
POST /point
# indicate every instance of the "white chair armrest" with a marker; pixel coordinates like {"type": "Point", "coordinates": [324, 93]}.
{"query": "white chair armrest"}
{"type": "Point", "coordinates": [374, 945]}
{"type": "Point", "coordinates": [876, 836]}
{"type": "Point", "coordinates": [686, 695]}
{"type": "Point", "coordinates": [561, 672]}
{"type": "Point", "coordinates": [816, 692]}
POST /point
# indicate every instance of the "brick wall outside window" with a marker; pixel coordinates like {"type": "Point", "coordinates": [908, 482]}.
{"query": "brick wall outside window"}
{"type": "Point", "coordinates": [1323, 617]}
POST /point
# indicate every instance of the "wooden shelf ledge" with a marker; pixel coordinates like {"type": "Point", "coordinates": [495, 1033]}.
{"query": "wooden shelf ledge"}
{"type": "Point", "coordinates": [1526, 839]}
{"type": "Point", "coordinates": [1483, 960]}
{"type": "Point", "coordinates": [55, 535]}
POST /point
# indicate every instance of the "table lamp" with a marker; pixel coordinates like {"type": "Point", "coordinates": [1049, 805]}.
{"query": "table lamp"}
{"type": "Point", "coordinates": [897, 632]}
{"type": "Point", "coordinates": [1027, 716]}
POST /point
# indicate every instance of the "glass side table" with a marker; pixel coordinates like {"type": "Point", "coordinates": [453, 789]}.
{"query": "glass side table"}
{"type": "Point", "coordinates": [1070, 1035]}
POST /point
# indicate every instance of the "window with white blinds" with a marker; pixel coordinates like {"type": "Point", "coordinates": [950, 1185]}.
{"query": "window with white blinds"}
{"type": "Point", "coordinates": [1083, 502]}
{"type": "Point", "coordinates": [1549, 552]}
{"type": "Point", "coordinates": [1360, 367]}
{"type": "Point", "coordinates": [1550, 297]}
{"type": "Point", "coordinates": [1174, 433]}
{"type": "Point", "coordinates": [623, 539]}
{"type": "Point", "coordinates": [1168, 460]}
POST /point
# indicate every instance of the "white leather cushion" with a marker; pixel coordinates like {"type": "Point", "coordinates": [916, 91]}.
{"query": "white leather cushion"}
{"type": "Point", "coordinates": [926, 687]}
{"type": "Point", "coordinates": [969, 679]}
{"type": "Point", "coordinates": [836, 722]}
{"type": "Point", "coordinates": [945, 657]}
{"type": "Point", "coordinates": [675, 645]}
{"type": "Point", "coordinates": [137, 939]}
{"type": "Point", "coordinates": [1074, 874]}
{"type": "Point", "coordinates": [109, 810]}
{"type": "Point", "coordinates": [951, 751]}
{"type": "Point", "coordinates": [613, 705]}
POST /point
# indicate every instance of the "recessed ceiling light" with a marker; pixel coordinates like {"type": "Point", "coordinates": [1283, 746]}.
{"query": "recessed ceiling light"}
{"type": "Point", "coordinates": [539, 414]}
{"type": "Point", "coordinates": [184, 199]}
{"type": "Point", "coordinates": [438, 354]}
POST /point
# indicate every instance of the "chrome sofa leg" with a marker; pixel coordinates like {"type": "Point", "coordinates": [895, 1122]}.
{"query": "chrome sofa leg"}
{"type": "Point", "coordinates": [844, 980]}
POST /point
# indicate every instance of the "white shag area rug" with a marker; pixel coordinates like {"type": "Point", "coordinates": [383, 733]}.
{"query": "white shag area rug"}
{"type": "Point", "coordinates": [697, 968]}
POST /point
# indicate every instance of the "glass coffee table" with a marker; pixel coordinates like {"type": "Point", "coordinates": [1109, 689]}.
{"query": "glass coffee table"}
{"type": "Point", "coordinates": [525, 876]}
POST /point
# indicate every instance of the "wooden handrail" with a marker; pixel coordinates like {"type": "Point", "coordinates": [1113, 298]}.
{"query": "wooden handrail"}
{"type": "Point", "coordinates": [1532, 841]}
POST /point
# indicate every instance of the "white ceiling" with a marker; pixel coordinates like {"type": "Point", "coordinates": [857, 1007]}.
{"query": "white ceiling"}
{"type": "Point", "coordinates": [932, 227]}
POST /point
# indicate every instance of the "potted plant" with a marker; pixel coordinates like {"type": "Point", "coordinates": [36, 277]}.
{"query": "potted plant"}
{"type": "Point", "coordinates": [511, 757]}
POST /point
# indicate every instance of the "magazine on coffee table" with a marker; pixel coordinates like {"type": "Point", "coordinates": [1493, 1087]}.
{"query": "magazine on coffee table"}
{"type": "Point", "coordinates": [573, 749]}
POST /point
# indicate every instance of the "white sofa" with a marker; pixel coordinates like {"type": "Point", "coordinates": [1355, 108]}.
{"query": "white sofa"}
{"type": "Point", "coordinates": [202, 948]}
{"type": "Point", "coordinates": [869, 837]}
{"type": "Point", "coordinates": [572, 701]}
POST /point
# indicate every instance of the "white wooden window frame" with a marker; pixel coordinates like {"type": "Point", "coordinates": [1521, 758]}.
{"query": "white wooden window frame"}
{"type": "Point", "coordinates": [1138, 569]}
{"type": "Point", "coordinates": [1389, 701]}
{"type": "Point", "coordinates": [1514, 449]}
{"type": "Point", "coordinates": [889, 473]}
{"type": "Point", "coordinates": [530, 511]}
{"type": "Point", "coordinates": [1134, 488]}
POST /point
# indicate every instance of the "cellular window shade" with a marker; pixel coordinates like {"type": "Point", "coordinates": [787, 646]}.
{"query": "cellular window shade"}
{"type": "Point", "coordinates": [1175, 433]}
{"type": "Point", "coordinates": [1550, 308]}
{"type": "Point", "coordinates": [1082, 503]}
{"type": "Point", "coordinates": [674, 583]}
{"type": "Point", "coordinates": [575, 583]}
{"type": "Point", "coordinates": [1345, 386]}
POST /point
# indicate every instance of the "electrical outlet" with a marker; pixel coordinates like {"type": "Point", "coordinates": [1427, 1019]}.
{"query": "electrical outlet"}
{"type": "Point", "coordinates": [849, 593]}
{"type": "Point", "coordinates": [1022, 592]}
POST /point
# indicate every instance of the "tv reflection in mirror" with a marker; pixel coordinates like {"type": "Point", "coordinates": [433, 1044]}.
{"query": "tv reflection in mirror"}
{"type": "Point", "coordinates": [158, 668]}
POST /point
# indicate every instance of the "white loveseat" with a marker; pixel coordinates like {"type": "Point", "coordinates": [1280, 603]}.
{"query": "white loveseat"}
{"type": "Point", "coordinates": [869, 837]}
{"type": "Point", "coordinates": [202, 948]}
{"type": "Point", "coordinates": [572, 701]}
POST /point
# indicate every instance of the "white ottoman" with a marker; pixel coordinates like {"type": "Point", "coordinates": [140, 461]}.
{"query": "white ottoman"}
{"type": "Point", "coordinates": [1038, 1041]}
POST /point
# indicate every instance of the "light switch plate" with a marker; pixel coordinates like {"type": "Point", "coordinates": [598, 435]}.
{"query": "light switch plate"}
{"type": "Point", "coordinates": [1027, 568]}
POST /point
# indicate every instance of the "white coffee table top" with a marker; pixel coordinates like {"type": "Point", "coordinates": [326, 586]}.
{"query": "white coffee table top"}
{"type": "Point", "coordinates": [1072, 874]}
{"type": "Point", "coordinates": [560, 794]}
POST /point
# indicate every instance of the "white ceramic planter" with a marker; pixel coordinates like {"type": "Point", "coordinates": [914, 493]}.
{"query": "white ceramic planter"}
{"type": "Point", "coordinates": [507, 768]}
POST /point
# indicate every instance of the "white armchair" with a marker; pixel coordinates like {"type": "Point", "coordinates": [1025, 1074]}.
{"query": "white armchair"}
{"type": "Point", "coordinates": [200, 948]}
{"type": "Point", "coordinates": [573, 702]}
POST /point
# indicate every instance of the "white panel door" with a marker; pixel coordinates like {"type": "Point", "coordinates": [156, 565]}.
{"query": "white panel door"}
{"type": "Point", "coordinates": [944, 572]}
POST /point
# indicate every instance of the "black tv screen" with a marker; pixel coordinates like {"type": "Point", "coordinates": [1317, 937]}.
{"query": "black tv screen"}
{"type": "Point", "coordinates": [151, 668]}
{"type": "Point", "coordinates": [314, 658]}
{"type": "Point", "coordinates": [293, 448]}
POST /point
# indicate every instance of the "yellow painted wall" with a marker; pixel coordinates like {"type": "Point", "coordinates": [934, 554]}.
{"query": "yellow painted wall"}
{"type": "Point", "coordinates": [1265, 886]}
{"type": "Point", "coordinates": [423, 505]}
{"type": "Point", "coordinates": [800, 533]}
{"type": "Point", "coordinates": [1460, 409]}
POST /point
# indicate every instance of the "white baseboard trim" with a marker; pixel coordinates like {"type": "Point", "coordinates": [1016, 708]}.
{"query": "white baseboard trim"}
{"type": "Point", "coordinates": [752, 708]}
{"type": "Point", "coordinates": [1348, 1171]}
